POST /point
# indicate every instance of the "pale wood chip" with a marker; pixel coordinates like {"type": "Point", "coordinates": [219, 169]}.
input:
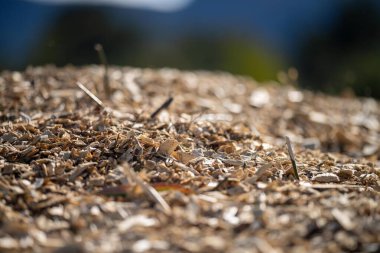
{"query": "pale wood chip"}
{"type": "Point", "coordinates": [167, 147]}
{"type": "Point", "coordinates": [326, 178]}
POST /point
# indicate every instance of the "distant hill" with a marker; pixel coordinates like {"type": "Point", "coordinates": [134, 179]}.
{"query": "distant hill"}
{"type": "Point", "coordinates": [278, 24]}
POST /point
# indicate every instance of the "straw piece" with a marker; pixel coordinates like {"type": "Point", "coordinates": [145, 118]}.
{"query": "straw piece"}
{"type": "Point", "coordinates": [103, 59]}
{"type": "Point", "coordinates": [165, 105]}
{"type": "Point", "coordinates": [292, 157]}
{"type": "Point", "coordinates": [90, 94]}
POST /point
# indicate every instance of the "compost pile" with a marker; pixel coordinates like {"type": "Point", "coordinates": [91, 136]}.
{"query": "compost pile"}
{"type": "Point", "coordinates": [172, 161]}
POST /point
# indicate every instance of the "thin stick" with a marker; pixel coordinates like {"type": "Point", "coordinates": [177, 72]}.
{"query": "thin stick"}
{"type": "Point", "coordinates": [165, 105]}
{"type": "Point", "coordinates": [292, 157]}
{"type": "Point", "coordinates": [149, 190]}
{"type": "Point", "coordinates": [103, 60]}
{"type": "Point", "coordinates": [90, 94]}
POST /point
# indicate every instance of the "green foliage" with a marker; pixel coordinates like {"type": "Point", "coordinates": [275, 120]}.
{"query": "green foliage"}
{"type": "Point", "coordinates": [233, 54]}
{"type": "Point", "coordinates": [73, 36]}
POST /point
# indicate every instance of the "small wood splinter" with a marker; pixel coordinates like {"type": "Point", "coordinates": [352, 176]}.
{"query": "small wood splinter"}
{"type": "Point", "coordinates": [90, 94]}
{"type": "Point", "coordinates": [292, 157]}
{"type": "Point", "coordinates": [165, 105]}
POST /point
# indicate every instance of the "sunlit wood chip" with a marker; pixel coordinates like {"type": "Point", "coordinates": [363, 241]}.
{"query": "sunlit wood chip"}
{"type": "Point", "coordinates": [8, 243]}
{"type": "Point", "coordinates": [344, 218]}
{"type": "Point", "coordinates": [184, 157]}
{"type": "Point", "coordinates": [136, 221]}
{"type": "Point", "coordinates": [259, 98]}
{"type": "Point", "coordinates": [168, 146]}
{"type": "Point", "coordinates": [326, 178]}
{"type": "Point", "coordinates": [146, 140]}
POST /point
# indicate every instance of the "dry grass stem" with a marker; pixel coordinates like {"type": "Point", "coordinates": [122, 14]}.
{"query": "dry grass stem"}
{"type": "Point", "coordinates": [91, 95]}
{"type": "Point", "coordinates": [103, 59]}
{"type": "Point", "coordinates": [292, 157]}
{"type": "Point", "coordinates": [165, 105]}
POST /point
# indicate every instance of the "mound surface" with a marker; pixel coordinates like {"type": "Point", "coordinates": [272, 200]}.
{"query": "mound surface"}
{"type": "Point", "coordinates": [209, 173]}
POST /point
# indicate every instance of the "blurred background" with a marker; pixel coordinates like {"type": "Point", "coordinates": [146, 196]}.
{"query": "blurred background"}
{"type": "Point", "coordinates": [330, 45]}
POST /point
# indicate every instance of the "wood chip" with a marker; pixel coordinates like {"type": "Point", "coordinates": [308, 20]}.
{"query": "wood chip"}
{"type": "Point", "coordinates": [167, 147]}
{"type": "Point", "coordinates": [149, 190]}
{"type": "Point", "coordinates": [326, 178]}
{"type": "Point", "coordinates": [214, 175]}
{"type": "Point", "coordinates": [80, 170]}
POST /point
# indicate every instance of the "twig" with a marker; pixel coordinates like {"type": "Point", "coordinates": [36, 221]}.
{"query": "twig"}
{"type": "Point", "coordinates": [292, 157]}
{"type": "Point", "coordinates": [103, 60]}
{"type": "Point", "coordinates": [149, 190]}
{"type": "Point", "coordinates": [91, 95]}
{"type": "Point", "coordinates": [165, 105]}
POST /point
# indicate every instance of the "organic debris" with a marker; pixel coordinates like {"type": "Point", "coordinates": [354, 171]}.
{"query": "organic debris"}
{"type": "Point", "coordinates": [91, 95]}
{"type": "Point", "coordinates": [165, 105]}
{"type": "Point", "coordinates": [103, 60]}
{"type": "Point", "coordinates": [211, 173]}
{"type": "Point", "coordinates": [292, 158]}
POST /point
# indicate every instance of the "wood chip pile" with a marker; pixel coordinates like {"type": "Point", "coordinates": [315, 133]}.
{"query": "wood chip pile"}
{"type": "Point", "coordinates": [210, 172]}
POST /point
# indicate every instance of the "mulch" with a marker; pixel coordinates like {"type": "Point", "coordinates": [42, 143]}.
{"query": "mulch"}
{"type": "Point", "coordinates": [162, 160]}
